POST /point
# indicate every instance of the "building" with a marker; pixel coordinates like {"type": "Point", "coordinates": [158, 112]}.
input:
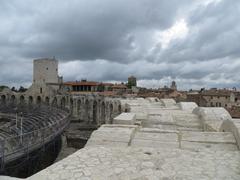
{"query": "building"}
{"type": "Point", "coordinates": [174, 85]}
{"type": "Point", "coordinates": [132, 81]}
{"type": "Point", "coordinates": [213, 98]}
{"type": "Point", "coordinates": [119, 89]}
{"type": "Point", "coordinates": [46, 81]}
{"type": "Point", "coordinates": [87, 86]}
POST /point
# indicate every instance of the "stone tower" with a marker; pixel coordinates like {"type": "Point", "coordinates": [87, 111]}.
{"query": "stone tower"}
{"type": "Point", "coordinates": [46, 81]}
{"type": "Point", "coordinates": [132, 81]}
{"type": "Point", "coordinates": [174, 85]}
{"type": "Point", "coordinates": [45, 71]}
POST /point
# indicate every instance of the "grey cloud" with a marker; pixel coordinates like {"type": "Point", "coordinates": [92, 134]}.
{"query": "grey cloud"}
{"type": "Point", "coordinates": [110, 40]}
{"type": "Point", "coordinates": [214, 33]}
{"type": "Point", "coordinates": [88, 29]}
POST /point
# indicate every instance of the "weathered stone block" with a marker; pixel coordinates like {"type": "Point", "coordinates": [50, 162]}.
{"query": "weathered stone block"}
{"type": "Point", "coordinates": [125, 118]}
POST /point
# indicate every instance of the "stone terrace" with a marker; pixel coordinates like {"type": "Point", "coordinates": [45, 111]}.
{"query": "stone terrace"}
{"type": "Point", "coordinates": [157, 139]}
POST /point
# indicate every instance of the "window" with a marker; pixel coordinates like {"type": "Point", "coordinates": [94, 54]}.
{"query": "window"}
{"type": "Point", "coordinates": [40, 90]}
{"type": "Point", "coordinates": [47, 68]}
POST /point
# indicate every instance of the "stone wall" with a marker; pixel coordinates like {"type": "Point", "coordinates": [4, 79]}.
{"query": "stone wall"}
{"type": "Point", "coordinates": [92, 108]}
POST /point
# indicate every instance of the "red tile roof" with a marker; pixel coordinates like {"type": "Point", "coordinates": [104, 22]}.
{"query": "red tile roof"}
{"type": "Point", "coordinates": [119, 86]}
{"type": "Point", "coordinates": [82, 83]}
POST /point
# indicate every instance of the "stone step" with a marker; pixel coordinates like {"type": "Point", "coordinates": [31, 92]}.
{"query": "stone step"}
{"type": "Point", "coordinates": [189, 140]}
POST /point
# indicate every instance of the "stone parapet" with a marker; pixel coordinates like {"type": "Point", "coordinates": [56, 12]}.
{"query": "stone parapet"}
{"type": "Point", "coordinates": [211, 118]}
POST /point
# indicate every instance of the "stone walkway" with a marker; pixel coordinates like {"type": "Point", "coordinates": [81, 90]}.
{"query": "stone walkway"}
{"type": "Point", "coordinates": [103, 163]}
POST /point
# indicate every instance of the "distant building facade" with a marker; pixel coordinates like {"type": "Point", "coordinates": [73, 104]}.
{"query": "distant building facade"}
{"type": "Point", "coordinates": [229, 99]}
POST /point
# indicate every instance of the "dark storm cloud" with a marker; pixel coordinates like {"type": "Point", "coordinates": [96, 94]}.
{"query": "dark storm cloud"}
{"type": "Point", "coordinates": [87, 29]}
{"type": "Point", "coordinates": [109, 40]}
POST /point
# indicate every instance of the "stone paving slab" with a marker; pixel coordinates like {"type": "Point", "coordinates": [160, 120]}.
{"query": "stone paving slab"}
{"type": "Point", "coordinates": [199, 146]}
{"type": "Point", "coordinates": [154, 144]}
{"type": "Point", "coordinates": [112, 135]}
{"type": "Point", "coordinates": [218, 137]}
{"type": "Point", "coordinates": [156, 136]}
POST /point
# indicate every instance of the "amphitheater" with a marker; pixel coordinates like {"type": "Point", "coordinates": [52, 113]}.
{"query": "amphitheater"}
{"type": "Point", "coordinates": [135, 138]}
{"type": "Point", "coordinates": [28, 124]}
{"type": "Point", "coordinates": [157, 139]}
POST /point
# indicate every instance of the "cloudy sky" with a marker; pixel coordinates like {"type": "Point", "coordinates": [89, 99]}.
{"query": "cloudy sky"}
{"type": "Point", "coordinates": [194, 42]}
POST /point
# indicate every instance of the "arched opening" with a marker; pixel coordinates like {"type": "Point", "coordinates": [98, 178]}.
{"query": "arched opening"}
{"type": "Point", "coordinates": [103, 113]}
{"type": "Point", "coordinates": [39, 100]}
{"type": "Point", "coordinates": [79, 107]}
{"type": "Point", "coordinates": [22, 100]}
{"type": "Point", "coordinates": [111, 113]}
{"type": "Point", "coordinates": [13, 100]}
{"type": "Point", "coordinates": [86, 111]}
{"type": "Point", "coordinates": [71, 105]}
{"type": "Point", "coordinates": [47, 100]}
{"type": "Point", "coordinates": [63, 103]}
{"type": "Point", "coordinates": [30, 100]}
{"type": "Point", "coordinates": [54, 102]}
{"type": "Point", "coordinates": [95, 112]}
{"type": "Point", "coordinates": [3, 99]}
{"type": "Point", "coordinates": [119, 109]}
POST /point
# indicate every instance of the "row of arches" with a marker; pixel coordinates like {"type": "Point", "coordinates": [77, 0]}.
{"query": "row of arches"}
{"type": "Point", "coordinates": [96, 111]}
{"type": "Point", "coordinates": [23, 100]}
{"type": "Point", "coordinates": [92, 110]}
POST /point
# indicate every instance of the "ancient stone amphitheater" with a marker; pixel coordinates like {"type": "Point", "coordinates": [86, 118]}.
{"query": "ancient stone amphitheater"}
{"type": "Point", "coordinates": [157, 139]}
{"type": "Point", "coordinates": [30, 124]}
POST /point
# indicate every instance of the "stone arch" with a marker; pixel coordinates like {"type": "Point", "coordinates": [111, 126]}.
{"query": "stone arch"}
{"type": "Point", "coordinates": [47, 100]}
{"type": "Point", "coordinates": [63, 102]}
{"type": "Point", "coordinates": [39, 100]}
{"type": "Point", "coordinates": [54, 102]}
{"type": "Point", "coordinates": [22, 100]}
{"type": "Point", "coordinates": [111, 113]}
{"type": "Point", "coordinates": [78, 107]}
{"type": "Point", "coordinates": [95, 109]}
{"type": "Point", "coordinates": [103, 113]}
{"type": "Point", "coordinates": [119, 109]}
{"type": "Point", "coordinates": [3, 99]}
{"type": "Point", "coordinates": [13, 100]}
{"type": "Point", "coordinates": [71, 105]}
{"type": "Point", "coordinates": [87, 108]}
{"type": "Point", "coordinates": [30, 100]}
